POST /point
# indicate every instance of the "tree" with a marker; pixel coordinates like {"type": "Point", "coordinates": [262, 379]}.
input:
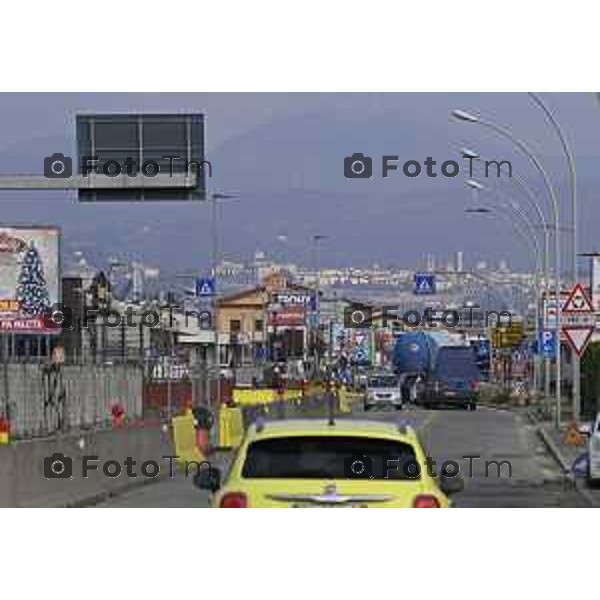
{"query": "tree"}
{"type": "Point", "coordinates": [32, 290]}
{"type": "Point", "coordinates": [590, 379]}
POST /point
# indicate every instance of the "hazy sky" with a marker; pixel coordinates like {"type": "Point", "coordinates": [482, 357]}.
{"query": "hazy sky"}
{"type": "Point", "coordinates": [283, 154]}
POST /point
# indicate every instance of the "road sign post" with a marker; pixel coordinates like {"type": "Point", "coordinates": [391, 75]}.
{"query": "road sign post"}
{"type": "Point", "coordinates": [578, 323]}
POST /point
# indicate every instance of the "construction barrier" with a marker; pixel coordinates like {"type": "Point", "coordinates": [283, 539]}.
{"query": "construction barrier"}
{"type": "Point", "coordinates": [314, 389]}
{"type": "Point", "coordinates": [231, 427]}
{"type": "Point", "coordinates": [4, 431]}
{"type": "Point", "coordinates": [247, 397]}
{"type": "Point", "coordinates": [250, 397]}
{"type": "Point", "coordinates": [184, 439]}
{"type": "Point", "coordinates": [345, 400]}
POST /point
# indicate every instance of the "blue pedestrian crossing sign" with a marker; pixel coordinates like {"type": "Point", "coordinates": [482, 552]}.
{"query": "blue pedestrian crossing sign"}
{"type": "Point", "coordinates": [424, 283]}
{"type": "Point", "coordinates": [547, 343]}
{"type": "Point", "coordinates": [205, 286]}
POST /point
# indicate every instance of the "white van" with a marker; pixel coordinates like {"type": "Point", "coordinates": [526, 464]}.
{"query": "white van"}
{"type": "Point", "coordinates": [592, 430]}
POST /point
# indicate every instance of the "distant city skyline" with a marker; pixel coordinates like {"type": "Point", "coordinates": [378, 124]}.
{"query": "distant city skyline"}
{"type": "Point", "coordinates": [283, 154]}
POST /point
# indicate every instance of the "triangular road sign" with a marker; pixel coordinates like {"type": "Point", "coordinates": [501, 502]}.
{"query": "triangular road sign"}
{"type": "Point", "coordinates": [578, 338]}
{"type": "Point", "coordinates": [578, 301]}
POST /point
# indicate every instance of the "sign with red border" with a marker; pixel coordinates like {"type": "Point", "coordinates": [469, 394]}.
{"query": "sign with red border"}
{"type": "Point", "coordinates": [578, 320]}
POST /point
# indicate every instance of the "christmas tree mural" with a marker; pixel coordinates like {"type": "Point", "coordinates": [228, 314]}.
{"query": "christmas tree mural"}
{"type": "Point", "coordinates": [32, 290]}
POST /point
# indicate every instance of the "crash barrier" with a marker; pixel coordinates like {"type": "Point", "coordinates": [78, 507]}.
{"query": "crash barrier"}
{"type": "Point", "coordinates": [43, 399]}
{"type": "Point", "coordinates": [23, 481]}
{"type": "Point", "coordinates": [185, 439]}
{"type": "Point", "coordinates": [231, 427]}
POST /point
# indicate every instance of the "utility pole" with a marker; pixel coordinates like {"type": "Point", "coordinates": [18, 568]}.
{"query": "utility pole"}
{"type": "Point", "coordinates": [316, 350]}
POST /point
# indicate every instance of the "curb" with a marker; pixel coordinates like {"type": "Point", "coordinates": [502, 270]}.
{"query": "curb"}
{"type": "Point", "coordinates": [568, 476]}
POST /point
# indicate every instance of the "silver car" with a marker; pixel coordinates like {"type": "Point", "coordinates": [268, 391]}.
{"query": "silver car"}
{"type": "Point", "coordinates": [383, 390]}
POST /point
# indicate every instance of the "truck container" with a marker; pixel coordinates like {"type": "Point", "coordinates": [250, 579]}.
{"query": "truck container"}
{"type": "Point", "coordinates": [436, 367]}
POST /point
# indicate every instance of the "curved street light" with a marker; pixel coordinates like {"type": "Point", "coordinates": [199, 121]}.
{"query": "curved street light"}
{"type": "Point", "coordinates": [535, 203]}
{"type": "Point", "coordinates": [573, 188]}
{"type": "Point", "coordinates": [506, 133]}
{"type": "Point", "coordinates": [509, 210]}
{"type": "Point", "coordinates": [520, 182]}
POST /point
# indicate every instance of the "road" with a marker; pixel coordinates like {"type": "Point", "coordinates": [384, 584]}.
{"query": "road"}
{"type": "Point", "coordinates": [448, 435]}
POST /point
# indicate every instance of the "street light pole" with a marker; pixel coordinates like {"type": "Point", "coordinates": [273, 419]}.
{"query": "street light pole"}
{"type": "Point", "coordinates": [535, 203]}
{"type": "Point", "coordinates": [467, 117]}
{"type": "Point", "coordinates": [528, 241]}
{"type": "Point", "coordinates": [573, 188]}
{"type": "Point", "coordinates": [214, 265]}
{"type": "Point", "coordinates": [530, 237]}
{"type": "Point", "coordinates": [316, 239]}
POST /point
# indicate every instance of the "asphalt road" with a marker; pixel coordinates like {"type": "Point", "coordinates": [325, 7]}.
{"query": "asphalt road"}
{"type": "Point", "coordinates": [534, 479]}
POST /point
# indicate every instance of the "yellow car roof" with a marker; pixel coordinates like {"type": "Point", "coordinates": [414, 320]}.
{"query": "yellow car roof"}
{"type": "Point", "coordinates": [321, 426]}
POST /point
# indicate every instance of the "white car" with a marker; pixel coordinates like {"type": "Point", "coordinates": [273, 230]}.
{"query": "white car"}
{"type": "Point", "coordinates": [592, 430]}
{"type": "Point", "coordinates": [383, 390]}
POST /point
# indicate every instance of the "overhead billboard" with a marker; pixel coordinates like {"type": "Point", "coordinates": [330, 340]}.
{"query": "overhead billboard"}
{"type": "Point", "coordinates": [289, 298]}
{"type": "Point", "coordinates": [138, 148]}
{"type": "Point", "coordinates": [29, 277]}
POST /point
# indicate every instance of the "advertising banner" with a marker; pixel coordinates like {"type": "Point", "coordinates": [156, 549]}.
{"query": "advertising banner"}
{"type": "Point", "coordinates": [29, 278]}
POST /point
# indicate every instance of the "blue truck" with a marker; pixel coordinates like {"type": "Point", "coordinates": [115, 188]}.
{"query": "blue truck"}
{"type": "Point", "coordinates": [436, 368]}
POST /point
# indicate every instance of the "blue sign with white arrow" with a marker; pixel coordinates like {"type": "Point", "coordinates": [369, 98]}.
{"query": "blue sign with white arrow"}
{"type": "Point", "coordinates": [205, 286]}
{"type": "Point", "coordinates": [424, 283]}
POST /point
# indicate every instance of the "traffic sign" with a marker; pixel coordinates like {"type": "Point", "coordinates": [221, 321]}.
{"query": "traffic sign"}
{"type": "Point", "coordinates": [578, 320]}
{"type": "Point", "coordinates": [578, 301]}
{"type": "Point", "coordinates": [572, 435]}
{"type": "Point", "coordinates": [547, 343]}
{"type": "Point", "coordinates": [508, 336]}
{"type": "Point", "coordinates": [205, 286]}
{"type": "Point", "coordinates": [579, 338]}
{"type": "Point", "coordinates": [552, 308]}
{"type": "Point", "coordinates": [424, 283]}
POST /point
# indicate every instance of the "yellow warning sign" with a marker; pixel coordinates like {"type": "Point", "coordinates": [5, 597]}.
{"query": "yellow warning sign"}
{"type": "Point", "coordinates": [508, 336]}
{"type": "Point", "coordinates": [572, 435]}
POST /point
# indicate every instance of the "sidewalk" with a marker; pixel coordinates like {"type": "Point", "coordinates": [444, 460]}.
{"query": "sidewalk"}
{"type": "Point", "coordinates": [563, 453]}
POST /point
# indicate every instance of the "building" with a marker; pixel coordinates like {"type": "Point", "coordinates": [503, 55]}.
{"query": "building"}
{"type": "Point", "coordinates": [266, 322]}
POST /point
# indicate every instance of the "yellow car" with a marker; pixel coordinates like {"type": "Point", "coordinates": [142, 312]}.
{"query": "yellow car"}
{"type": "Point", "coordinates": [344, 463]}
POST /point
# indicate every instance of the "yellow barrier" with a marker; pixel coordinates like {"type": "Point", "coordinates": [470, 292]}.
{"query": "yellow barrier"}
{"type": "Point", "coordinates": [231, 427]}
{"type": "Point", "coordinates": [315, 389]}
{"type": "Point", "coordinates": [184, 439]}
{"type": "Point", "coordinates": [345, 400]}
{"type": "Point", "coordinates": [246, 397]}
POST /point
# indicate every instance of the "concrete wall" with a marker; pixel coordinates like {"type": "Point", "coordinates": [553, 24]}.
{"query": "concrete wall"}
{"type": "Point", "coordinates": [22, 480]}
{"type": "Point", "coordinates": [40, 402]}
